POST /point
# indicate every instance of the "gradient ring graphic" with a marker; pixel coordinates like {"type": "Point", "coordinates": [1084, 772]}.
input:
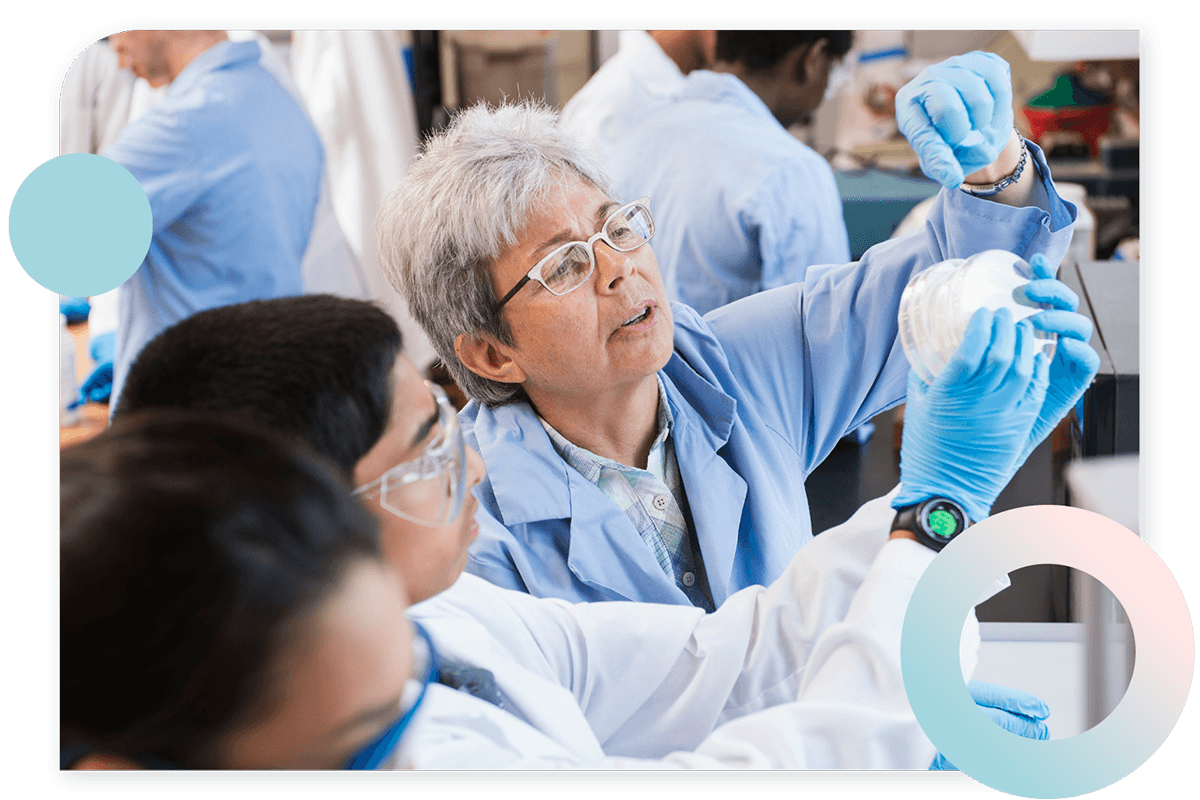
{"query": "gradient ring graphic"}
{"type": "Point", "coordinates": [1158, 688]}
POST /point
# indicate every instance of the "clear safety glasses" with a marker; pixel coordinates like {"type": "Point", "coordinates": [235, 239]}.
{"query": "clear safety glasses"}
{"type": "Point", "coordinates": [428, 490]}
{"type": "Point", "coordinates": [568, 267]}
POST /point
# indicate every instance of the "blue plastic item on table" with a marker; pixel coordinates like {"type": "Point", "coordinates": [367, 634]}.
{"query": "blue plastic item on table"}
{"type": "Point", "coordinates": [75, 309]}
{"type": "Point", "coordinates": [97, 386]}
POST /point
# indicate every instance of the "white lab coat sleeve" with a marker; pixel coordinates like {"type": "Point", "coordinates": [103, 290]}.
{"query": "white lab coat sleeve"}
{"type": "Point", "coordinates": [825, 685]}
{"type": "Point", "coordinates": [693, 671]}
{"type": "Point", "coordinates": [851, 711]}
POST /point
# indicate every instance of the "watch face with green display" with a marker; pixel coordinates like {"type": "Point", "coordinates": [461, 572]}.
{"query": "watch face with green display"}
{"type": "Point", "coordinates": [943, 523]}
{"type": "Point", "coordinates": [935, 521]}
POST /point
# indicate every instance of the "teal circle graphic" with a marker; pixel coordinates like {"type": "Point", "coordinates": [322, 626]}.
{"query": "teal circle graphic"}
{"type": "Point", "coordinates": [1158, 688]}
{"type": "Point", "coordinates": [80, 224]}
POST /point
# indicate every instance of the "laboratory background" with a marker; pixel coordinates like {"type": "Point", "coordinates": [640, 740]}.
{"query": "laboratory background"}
{"type": "Point", "coordinates": [373, 95]}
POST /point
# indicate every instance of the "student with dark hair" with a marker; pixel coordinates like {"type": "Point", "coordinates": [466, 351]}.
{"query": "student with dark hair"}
{"type": "Point", "coordinates": [761, 50]}
{"type": "Point", "coordinates": [307, 365]}
{"type": "Point", "coordinates": [331, 371]}
{"type": "Point", "coordinates": [558, 684]}
{"type": "Point", "coordinates": [217, 582]}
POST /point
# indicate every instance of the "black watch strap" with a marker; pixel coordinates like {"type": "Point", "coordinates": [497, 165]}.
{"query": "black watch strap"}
{"type": "Point", "coordinates": [934, 521]}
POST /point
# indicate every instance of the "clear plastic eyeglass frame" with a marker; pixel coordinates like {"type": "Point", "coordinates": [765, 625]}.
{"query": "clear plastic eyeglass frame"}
{"type": "Point", "coordinates": [428, 490]}
{"type": "Point", "coordinates": [627, 228]}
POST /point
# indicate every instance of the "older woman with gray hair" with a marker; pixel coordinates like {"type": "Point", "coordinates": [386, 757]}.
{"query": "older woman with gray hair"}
{"type": "Point", "coordinates": [635, 450]}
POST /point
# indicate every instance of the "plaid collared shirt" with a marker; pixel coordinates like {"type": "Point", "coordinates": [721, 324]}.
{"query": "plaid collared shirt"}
{"type": "Point", "coordinates": [652, 498]}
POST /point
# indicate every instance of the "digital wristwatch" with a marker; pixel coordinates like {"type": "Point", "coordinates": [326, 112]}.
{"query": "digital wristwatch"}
{"type": "Point", "coordinates": [934, 521]}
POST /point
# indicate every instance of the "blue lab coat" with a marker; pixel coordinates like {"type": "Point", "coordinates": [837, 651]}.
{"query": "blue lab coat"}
{"type": "Point", "coordinates": [760, 391]}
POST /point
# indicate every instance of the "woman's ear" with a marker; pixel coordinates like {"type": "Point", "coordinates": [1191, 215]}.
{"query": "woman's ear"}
{"type": "Point", "coordinates": [485, 356]}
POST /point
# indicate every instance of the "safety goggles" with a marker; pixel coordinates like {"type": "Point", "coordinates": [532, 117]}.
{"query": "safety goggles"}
{"type": "Point", "coordinates": [428, 490]}
{"type": "Point", "coordinates": [568, 267]}
{"type": "Point", "coordinates": [380, 749]}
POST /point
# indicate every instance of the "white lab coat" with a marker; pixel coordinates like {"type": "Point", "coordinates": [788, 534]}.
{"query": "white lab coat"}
{"type": "Point", "coordinates": [802, 674]}
{"type": "Point", "coordinates": [95, 101]}
{"type": "Point", "coordinates": [358, 96]}
{"type": "Point", "coordinates": [620, 93]}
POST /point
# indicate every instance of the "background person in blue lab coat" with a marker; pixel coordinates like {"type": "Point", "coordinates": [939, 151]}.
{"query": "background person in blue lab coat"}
{"type": "Point", "coordinates": [742, 204]}
{"type": "Point", "coordinates": [330, 371]}
{"type": "Point", "coordinates": [232, 167]}
{"type": "Point", "coordinates": [635, 450]}
{"type": "Point", "coordinates": [648, 68]}
{"type": "Point", "coordinates": [98, 100]}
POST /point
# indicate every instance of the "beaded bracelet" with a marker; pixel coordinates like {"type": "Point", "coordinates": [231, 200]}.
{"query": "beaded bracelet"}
{"type": "Point", "coordinates": [991, 189]}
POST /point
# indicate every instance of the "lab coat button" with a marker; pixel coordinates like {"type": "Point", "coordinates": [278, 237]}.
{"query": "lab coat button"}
{"type": "Point", "coordinates": [688, 579]}
{"type": "Point", "coordinates": [660, 502]}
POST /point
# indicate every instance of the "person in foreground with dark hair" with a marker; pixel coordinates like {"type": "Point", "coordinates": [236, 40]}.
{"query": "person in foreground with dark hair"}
{"type": "Point", "coordinates": [804, 673]}
{"type": "Point", "coordinates": [741, 204]}
{"type": "Point", "coordinates": [224, 604]}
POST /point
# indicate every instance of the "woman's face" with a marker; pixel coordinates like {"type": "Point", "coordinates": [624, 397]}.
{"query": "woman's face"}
{"type": "Point", "coordinates": [336, 686]}
{"type": "Point", "coordinates": [613, 331]}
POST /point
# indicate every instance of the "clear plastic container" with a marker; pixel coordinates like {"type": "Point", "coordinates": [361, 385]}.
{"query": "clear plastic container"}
{"type": "Point", "coordinates": [938, 303]}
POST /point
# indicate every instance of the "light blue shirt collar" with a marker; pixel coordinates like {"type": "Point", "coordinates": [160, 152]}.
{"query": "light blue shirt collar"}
{"type": "Point", "coordinates": [721, 87]}
{"type": "Point", "coordinates": [220, 55]}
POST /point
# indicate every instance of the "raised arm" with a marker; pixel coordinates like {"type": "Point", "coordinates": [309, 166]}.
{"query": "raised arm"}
{"type": "Point", "coordinates": [958, 117]}
{"type": "Point", "coordinates": [823, 355]}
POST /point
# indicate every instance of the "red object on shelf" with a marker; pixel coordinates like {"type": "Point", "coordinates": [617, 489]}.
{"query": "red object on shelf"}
{"type": "Point", "coordinates": [1090, 122]}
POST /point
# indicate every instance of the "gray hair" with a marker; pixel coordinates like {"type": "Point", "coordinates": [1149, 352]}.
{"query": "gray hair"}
{"type": "Point", "coordinates": [459, 208]}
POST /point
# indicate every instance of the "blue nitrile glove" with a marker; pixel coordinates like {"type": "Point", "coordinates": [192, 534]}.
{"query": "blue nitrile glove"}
{"type": "Point", "coordinates": [74, 308]}
{"type": "Point", "coordinates": [957, 115]}
{"type": "Point", "coordinates": [1014, 710]}
{"type": "Point", "coordinates": [97, 386]}
{"type": "Point", "coordinates": [1075, 363]}
{"type": "Point", "coordinates": [963, 434]}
